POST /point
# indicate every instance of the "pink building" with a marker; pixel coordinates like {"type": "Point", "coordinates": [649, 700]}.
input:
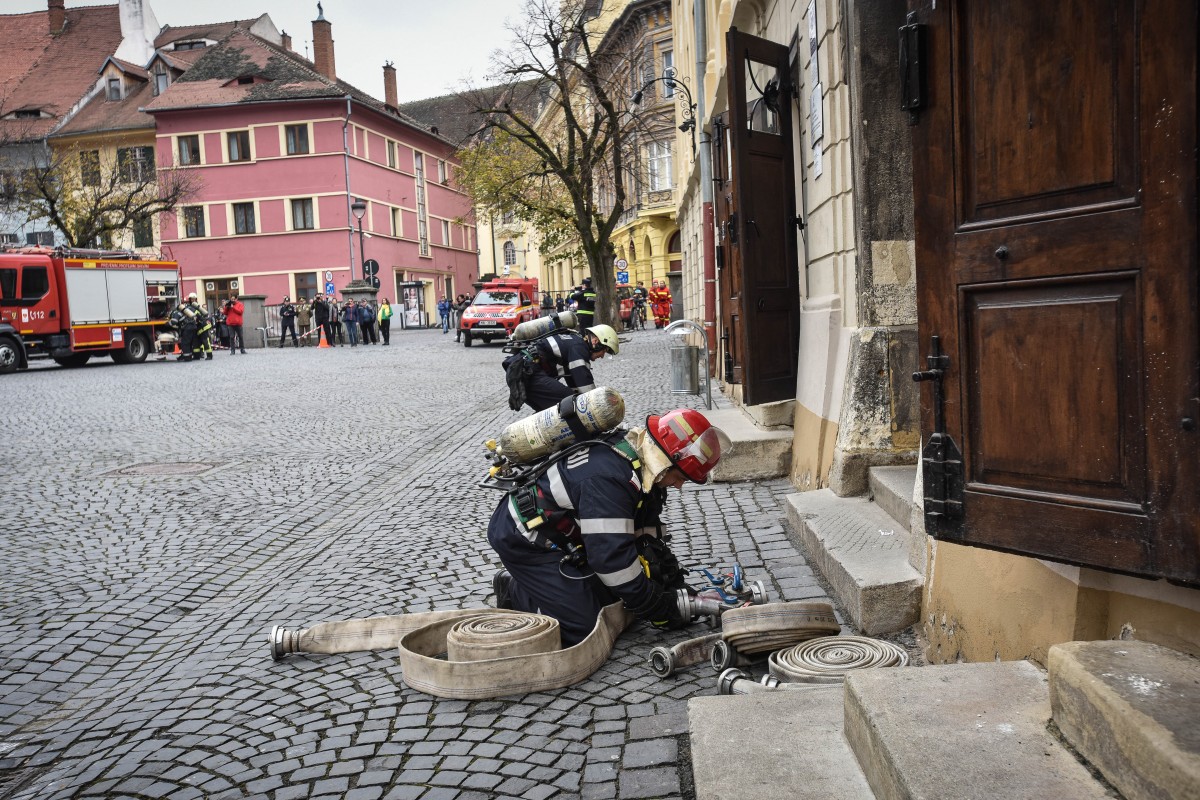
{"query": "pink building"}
{"type": "Point", "coordinates": [282, 150]}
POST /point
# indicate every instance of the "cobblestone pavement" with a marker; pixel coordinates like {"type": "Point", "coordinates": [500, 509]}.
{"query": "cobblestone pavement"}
{"type": "Point", "coordinates": [137, 597]}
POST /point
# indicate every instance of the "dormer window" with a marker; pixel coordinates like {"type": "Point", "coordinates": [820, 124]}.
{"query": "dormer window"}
{"type": "Point", "coordinates": [190, 45]}
{"type": "Point", "coordinates": [161, 81]}
{"type": "Point", "coordinates": [27, 113]}
{"type": "Point", "coordinates": [245, 80]}
{"type": "Point", "coordinates": [114, 88]}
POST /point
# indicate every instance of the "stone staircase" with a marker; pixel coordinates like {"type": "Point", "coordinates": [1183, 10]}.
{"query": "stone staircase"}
{"type": "Point", "coordinates": [1125, 710]}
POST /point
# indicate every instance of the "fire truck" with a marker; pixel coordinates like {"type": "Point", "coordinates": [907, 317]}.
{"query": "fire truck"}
{"type": "Point", "coordinates": [501, 305]}
{"type": "Point", "coordinates": [69, 305]}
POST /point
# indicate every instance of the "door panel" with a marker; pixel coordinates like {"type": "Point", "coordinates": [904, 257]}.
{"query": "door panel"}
{"type": "Point", "coordinates": [1055, 192]}
{"type": "Point", "coordinates": [765, 315]}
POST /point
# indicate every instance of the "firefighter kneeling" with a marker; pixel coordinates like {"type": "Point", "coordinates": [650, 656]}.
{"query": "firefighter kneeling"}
{"type": "Point", "coordinates": [587, 531]}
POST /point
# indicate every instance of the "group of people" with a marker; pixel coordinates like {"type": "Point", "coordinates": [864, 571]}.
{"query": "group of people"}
{"type": "Point", "coordinates": [584, 529]}
{"type": "Point", "coordinates": [450, 313]}
{"type": "Point", "coordinates": [354, 320]}
{"type": "Point", "coordinates": [193, 327]}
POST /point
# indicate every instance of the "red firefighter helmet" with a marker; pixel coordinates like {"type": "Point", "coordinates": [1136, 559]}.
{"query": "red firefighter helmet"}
{"type": "Point", "coordinates": [689, 440]}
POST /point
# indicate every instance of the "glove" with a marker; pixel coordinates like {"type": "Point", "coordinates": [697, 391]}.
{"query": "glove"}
{"type": "Point", "coordinates": [663, 610]}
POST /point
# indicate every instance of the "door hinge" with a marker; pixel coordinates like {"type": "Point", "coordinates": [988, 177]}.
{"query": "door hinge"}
{"type": "Point", "coordinates": [941, 459]}
{"type": "Point", "coordinates": [912, 67]}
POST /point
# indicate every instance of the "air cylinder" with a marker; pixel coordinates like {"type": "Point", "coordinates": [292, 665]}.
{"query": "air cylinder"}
{"type": "Point", "coordinates": [547, 431]}
{"type": "Point", "coordinates": [537, 328]}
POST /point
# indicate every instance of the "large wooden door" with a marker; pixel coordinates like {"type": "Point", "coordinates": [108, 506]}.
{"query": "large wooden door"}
{"type": "Point", "coordinates": [1055, 190]}
{"type": "Point", "coordinates": [755, 209]}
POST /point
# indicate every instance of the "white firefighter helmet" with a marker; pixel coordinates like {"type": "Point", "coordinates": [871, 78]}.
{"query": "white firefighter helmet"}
{"type": "Point", "coordinates": [192, 296]}
{"type": "Point", "coordinates": [606, 337]}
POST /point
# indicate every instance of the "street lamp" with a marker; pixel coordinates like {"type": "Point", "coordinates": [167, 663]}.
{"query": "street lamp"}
{"type": "Point", "coordinates": [359, 207]}
{"type": "Point", "coordinates": [686, 106]}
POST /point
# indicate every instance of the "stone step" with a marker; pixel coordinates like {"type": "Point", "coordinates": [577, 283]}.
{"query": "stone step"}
{"type": "Point", "coordinates": [784, 745]}
{"type": "Point", "coordinates": [756, 453]}
{"type": "Point", "coordinates": [891, 488]}
{"type": "Point", "coordinates": [1132, 709]}
{"type": "Point", "coordinates": [961, 731]}
{"type": "Point", "coordinates": [862, 553]}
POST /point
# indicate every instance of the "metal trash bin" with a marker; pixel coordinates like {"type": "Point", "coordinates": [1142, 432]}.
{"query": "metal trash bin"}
{"type": "Point", "coordinates": [685, 365]}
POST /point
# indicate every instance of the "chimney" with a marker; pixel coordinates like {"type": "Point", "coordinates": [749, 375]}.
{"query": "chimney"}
{"type": "Point", "coordinates": [58, 15]}
{"type": "Point", "coordinates": [323, 45]}
{"type": "Point", "coordinates": [285, 40]}
{"type": "Point", "coordinates": [389, 84]}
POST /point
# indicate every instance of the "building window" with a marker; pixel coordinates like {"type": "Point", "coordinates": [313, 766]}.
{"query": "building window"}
{"type": "Point", "coordinates": [443, 176]}
{"type": "Point", "coordinates": [193, 222]}
{"type": "Point", "coordinates": [391, 153]}
{"type": "Point", "coordinates": [396, 222]}
{"type": "Point", "coordinates": [668, 68]}
{"type": "Point", "coordinates": [114, 88]}
{"type": "Point", "coordinates": [658, 157]}
{"type": "Point", "coordinates": [445, 233]}
{"type": "Point", "coordinates": [239, 145]}
{"type": "Point", "coordinates": [510, 254]}
{"type": "Point", "coordinates": [297, 139]}
{"type": "Point", "coordinates": [189, 150]}
{"type": "Point", "coordinates": [43, 238]}
{"type": "Point", "coordinates": [190, 45]}
{"type": "Point", "coordinates": [89, 167]}
{"type": "Point", "coordinates": [243, 218]}
{"type": "Point", "coordinates": [302, 215]}
{"type": "Point", "coordinates": [422, 212]}
{"type": "Point", "coordinates": [136, 164]}
{"type": "Point", "coordinates": [306, 285]}
{"type": "Point", "coordinates": [161, 81]}
{"type": "Point", "coordinates": [143, 233]}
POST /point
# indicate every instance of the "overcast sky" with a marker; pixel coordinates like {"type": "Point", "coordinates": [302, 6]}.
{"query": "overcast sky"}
{"type": "Point", "coordinates": [434, 44]}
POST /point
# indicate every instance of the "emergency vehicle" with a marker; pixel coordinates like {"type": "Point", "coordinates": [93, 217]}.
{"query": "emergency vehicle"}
{"type": "Point", "coordinates": [499, 307]}
{"type": "Point", "coordinates": [69, 305]}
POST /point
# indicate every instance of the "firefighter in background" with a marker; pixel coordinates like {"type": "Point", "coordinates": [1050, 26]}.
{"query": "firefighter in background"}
{"type": "Point", "coordinates": [184, 319]}
{"type": "Point", "coordinates": [587, 531]}
{"type": "Point", "coordinates": [533, 373]}
{"type": "Point", "coordinates": [204, 334]}
{"type": "Point", "coordinates": [660, 303]}
{"type": "Point", "coordinates": [584, 299]}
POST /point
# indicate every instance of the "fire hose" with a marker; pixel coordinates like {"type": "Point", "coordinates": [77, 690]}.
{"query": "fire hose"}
{"type": "Point", "coordinates": [815, 662]}
{"type": "Point", "coordinates": [467, 654]}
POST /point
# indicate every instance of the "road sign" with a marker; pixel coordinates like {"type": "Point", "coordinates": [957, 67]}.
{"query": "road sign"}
{"type": "Point", "coordinates": [622, 277]}
{"type": "Point", "coordinates": [328, 275]}
{"type": "Point", "coordinates": [329, 287]}
{"type": "Point", "coordinates": [622, 263]}
{"type": "Point", "coordinates": [374, 279]}
{"type": "Point", "coordinates": [371, 267]}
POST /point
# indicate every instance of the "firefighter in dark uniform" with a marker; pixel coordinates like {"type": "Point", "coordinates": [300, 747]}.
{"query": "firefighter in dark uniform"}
{"type": "Point", "coordinates": [586, 531]}
{"type": "Point", "coordinates": [204, 329]}
{"type": "Point", "coordinates": [184, 319]}
{"type": "Point", "coordinates": [585, 305]}
{"type": "Point", "coordinates": [533, 373]}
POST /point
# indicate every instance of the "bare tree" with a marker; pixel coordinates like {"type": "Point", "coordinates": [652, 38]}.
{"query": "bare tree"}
{"type": "Point", "coordinates": [559, 116]}
{"type": "Point", "coordinates": [93, 196]}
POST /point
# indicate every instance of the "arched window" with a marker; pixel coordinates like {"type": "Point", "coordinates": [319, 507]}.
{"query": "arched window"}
{"type": "Point", "coordinates": [510, 254]}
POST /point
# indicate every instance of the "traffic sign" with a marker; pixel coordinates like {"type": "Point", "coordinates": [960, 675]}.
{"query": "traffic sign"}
{"type": "Point", "coordinates": [328, 275]}
{"type": "Point", "coordinates": [329, 287]}
{"type": "Point", "coordinates": [371, 267]}
{"type": "Point", "coordinates": [622, 263]}
{"type": "Point", "coordinates": [622, 277]}
{"type": "Point", "coordinates": [374, 279]}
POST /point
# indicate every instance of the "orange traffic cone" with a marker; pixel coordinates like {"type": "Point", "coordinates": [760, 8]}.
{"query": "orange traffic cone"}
{"type": "Point", "coordinates": [321, 338]}
{"type": "Point", "coordinates": [177, 350]}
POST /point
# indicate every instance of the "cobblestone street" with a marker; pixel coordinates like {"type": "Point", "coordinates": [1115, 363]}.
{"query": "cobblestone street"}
{"type": "Point", "coordinates": [162, 517]}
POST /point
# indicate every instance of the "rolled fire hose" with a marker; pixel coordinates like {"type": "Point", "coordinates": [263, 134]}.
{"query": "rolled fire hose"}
{"type": "Point", "coordinates": [664, 661]}
{"type": "Point", "coordinates": [467, 654]}
{"type": "Point", "coordinates": [827, 660]}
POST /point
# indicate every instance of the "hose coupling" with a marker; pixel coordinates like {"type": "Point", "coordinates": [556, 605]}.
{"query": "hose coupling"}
{"type": "Point", "coordinates": [284, 641]}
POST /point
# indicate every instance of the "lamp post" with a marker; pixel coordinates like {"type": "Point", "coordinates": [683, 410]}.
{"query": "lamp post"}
{"type": "Point", "coordinates": [359, 207]}
{"type": "Point", "coordinates": [687, 107]}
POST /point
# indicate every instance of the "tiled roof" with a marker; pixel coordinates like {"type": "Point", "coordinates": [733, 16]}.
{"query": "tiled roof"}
{"type": "Point", "coordinates": [213, 31]}
{"type": "Point", "coordinates": [131, 69]}
{"type": "Point", "coordinates": [59, 71]}
{"type": "Point", "coordinates": [454, 115]}
{"type": "Point", "coordinates": [101, 114]}
{"type": "Point", "coordinates": [288, 77]}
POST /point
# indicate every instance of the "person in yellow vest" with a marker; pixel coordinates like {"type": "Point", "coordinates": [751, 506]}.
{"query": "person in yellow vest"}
{"type": "Point", "coordinates": [384, 315]}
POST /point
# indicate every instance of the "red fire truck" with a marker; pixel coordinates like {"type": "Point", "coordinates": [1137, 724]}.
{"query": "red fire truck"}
{"type": "Point", "coordinates": [501, 305]}
{"type": "Point", "coordinates": [69, 305]}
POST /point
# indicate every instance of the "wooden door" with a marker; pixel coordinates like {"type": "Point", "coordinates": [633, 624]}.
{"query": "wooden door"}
{"type": "Point", "coordinates": [1055, 183]}
{"type": "Point", "coordinates": [760, 282]}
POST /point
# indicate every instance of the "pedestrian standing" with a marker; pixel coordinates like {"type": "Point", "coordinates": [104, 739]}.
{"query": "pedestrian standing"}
{"type": "Point", "coordinates": [287, 322]}
{"type": "Point", "coordinates": [304, 320]}
{"type": "Point", "coordinates": [560, 305]}
{"type": "Point", "coordinates": [366, 317]}
{"type": "Point", "coordinates": [585, 305]}
{"type": "Point", "coordinates": [384, 315]}
{"type": "Point", "coordinates": [335, 320]}
{"type": "Point", "coordinates": [234, 311]}
{"type": "Point", "coordinates": [321, 318]}
{"type": "Point", "coordinates": [443, 308]}
{"type": "Point", "coordinates": [350, 322]}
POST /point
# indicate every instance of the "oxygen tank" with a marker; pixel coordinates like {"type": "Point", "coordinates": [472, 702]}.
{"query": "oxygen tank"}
{"type": "Point", "coordinates": [537, 328]}
{"type": "Point", "coordinates": [545, 432]}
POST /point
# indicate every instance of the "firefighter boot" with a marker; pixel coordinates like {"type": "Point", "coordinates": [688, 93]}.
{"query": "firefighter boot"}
{"type": "Point", "coordinates": [502, 588]}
